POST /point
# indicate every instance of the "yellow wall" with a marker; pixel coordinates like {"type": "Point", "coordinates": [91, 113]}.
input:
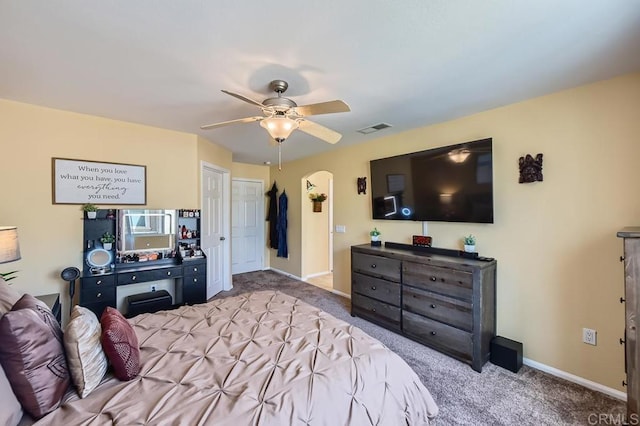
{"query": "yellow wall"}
{"type": "Point", "coordinates": [315, 226]}
{"type": "Point", "coordinates": [555, 241]}
{"type": "Point", "coordinates": [51, 235]}
{"type": "Point", "coordinates": [558, 268]}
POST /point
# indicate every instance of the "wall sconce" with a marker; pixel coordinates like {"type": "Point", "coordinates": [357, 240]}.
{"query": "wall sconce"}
{"type": "Point", "coordinates": [362, 185]}
{"type": "Point", "coordinates": [530, 168]}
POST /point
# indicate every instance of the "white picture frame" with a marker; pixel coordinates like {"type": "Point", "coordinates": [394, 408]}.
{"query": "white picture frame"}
{"type": "Point", "coordinates": [84, 181]}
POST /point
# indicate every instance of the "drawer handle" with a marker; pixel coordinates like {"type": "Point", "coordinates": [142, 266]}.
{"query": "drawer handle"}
{"type": "Point", "coordinates": [168, 272]}
{"type": "Point", "coordinates": [373, 309]}
{"type": "Point", "coordinates": [133, 278]}
{"type": "Point", "coordinates": [195, 280]}
{"type": "Point", "coordinates": [433, 306]}
{"type": "Point", "coordinates": [433, 333]}
{"type": "Point", "coordinates": [195, 269]}
{"type": "Point", "coordinates": [98, 282]}
{"type": "Point", "coordinates": [433, 278]}
{"type": "Point", "coordinates": [99, 295]}
{"type": "Point", "coordinates": [373, 287]}
{"type": "Point", "coordinates": [373, 265]}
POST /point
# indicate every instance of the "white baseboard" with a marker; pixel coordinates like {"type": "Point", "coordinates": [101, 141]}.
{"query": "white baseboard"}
{"type": "Point", "coordinates": [339, 293]}
{"type": "Point", "coordinates": [575, 379]}
{"type": "Point", "coordinates": [285, 273]}
{"type": "Point", "coordinates": [317, 274]}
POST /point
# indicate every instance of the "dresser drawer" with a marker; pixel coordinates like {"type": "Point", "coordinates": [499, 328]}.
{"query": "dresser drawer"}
{"type": "Point", "coordinates": [376, 265]}
{"type": "Point", "coordinates": [106, 294]}
{"type": "Point", "coordinates": [100, 281]}
{"type": "Point", "coordinates": [195, 279]}
{"type": "Point", "coordinates": [376, 288]}
{"type": "Point", "coordinates": [194, 268]}
{"type": "Point", "coordinates": [152, 275]}
{"type": "Point", "coordinates": [433, 333]}
{"type": "Point", "coordinates": [455, 312]}
{"type": "Point", "coordinates": [376, 308]}
{"type": "Point", "coordinates": [450, 282]}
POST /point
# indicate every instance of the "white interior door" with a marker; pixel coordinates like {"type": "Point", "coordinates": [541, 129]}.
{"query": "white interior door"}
{"type": "Point", "coordinates": [247, 225]}
{"type": "Point", "coordinates": [213, 238]}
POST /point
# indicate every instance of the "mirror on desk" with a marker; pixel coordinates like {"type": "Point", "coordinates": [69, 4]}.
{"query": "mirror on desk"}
{"type": "Point", "coordinates": [142, 230]}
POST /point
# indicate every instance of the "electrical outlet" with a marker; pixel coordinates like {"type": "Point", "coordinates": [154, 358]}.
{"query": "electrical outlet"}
{"type": "Point", "coordinates": [152, 287]}
{"type": "Point", "coordinates": [589, 336]}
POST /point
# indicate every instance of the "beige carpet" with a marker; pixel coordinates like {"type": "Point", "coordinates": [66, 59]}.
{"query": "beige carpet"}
{"type": "Point", "coordinates": [494, 397]}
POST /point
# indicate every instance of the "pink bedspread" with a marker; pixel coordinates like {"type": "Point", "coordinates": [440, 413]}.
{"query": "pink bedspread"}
{"type": "Point", "coordinates": [261, 358]}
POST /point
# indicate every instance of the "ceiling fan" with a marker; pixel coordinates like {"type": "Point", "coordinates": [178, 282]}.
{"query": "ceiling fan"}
{"type": "Point", "coordinates": [282, 115]}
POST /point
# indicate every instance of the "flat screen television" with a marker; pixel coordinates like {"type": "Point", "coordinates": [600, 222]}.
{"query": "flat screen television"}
{"type": "Point", "coordinates": [447, 184]}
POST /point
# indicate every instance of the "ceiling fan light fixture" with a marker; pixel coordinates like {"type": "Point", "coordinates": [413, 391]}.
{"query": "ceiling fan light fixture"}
{"type": "Point", "coordinates": [280, 128]}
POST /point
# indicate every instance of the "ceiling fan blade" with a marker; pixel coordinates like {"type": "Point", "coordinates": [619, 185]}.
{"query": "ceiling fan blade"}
{"type": "Point", "coordinates": [323, 108]}
{"type": "Point", "coordinates": [225, 123]}
{"type": "Point", "coordinates": [243, 98]}
{"type": "Point", "coordinates": [320, 132]}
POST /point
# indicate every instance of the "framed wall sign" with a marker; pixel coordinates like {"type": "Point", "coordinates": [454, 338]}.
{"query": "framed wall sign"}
{"type": "Point", "coordinates": [82, 181]}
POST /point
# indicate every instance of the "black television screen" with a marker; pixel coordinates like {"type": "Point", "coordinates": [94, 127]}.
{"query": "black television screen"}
{"type": "Point", "coordinates": [448, 184]}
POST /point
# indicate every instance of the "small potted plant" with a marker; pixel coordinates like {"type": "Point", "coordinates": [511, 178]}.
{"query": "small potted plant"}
{"type": "Point", "coordinates": [469, 243]}
{"type": "Point", "coordinates": [375, 237]}
{"type": "Point", "coordinates": [317, 200]}
{"type": "Point", "coordinates": [107, 240]}
{"type": "Point", "coordinates": [90, 209]}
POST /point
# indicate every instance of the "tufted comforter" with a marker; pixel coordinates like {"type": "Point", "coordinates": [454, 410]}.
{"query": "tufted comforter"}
{"type": "Point", "coordinates": [261, 358]}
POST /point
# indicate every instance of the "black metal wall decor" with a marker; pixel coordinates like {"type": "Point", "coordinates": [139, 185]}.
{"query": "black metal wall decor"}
{"type": "Point", "coordinates": [530, 168]}
{"type": "Point", "coordinates": [362, 185]}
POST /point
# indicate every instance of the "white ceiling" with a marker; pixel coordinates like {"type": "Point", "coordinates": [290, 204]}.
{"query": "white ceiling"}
{"type": "Point", "coordinates": [408, 63]}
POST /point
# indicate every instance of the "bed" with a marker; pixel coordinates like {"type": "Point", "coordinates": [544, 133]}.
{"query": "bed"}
{"type": "Point", "coordinates": [262, 358]}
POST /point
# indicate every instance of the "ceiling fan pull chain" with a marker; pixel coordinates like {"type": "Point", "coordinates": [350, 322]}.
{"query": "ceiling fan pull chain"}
{"type": "Point", "coordinates": [279, 155]}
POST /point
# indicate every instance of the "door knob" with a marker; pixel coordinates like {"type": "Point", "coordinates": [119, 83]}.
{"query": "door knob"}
{"type": "Point", "coordinates": [222, 238]}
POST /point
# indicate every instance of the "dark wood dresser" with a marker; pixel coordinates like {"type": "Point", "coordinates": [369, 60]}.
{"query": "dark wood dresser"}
{"type": "Point", "coordinates": [631, 242]}
{"type": "Point", "coordinates": [447, 303]}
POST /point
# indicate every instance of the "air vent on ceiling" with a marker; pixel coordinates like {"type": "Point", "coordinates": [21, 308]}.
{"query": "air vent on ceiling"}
{"type": "Point", "coordinates": [373, 129]}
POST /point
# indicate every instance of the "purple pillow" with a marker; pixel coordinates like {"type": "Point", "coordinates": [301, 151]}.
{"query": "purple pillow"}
{"type": "Point", "coordinates": [120, 344]}
{"type": "Point", "coordinates": [32, 356]}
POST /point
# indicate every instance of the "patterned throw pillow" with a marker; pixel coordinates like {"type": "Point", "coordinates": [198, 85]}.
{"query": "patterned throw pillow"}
{"type": "Point", "coordinates": [86, 359]}
{"type": "Point", "coordinates": [120, 344]}
{"type": "Point", "coordinates": [32, 356]}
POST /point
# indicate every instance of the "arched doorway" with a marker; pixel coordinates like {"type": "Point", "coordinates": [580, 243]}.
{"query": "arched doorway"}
{"type": "Point", "coordinates": [317, 227]}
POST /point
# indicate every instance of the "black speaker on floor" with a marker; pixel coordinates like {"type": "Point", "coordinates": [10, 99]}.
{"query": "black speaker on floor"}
{"type": "Point", "coordinates": [506, 353]}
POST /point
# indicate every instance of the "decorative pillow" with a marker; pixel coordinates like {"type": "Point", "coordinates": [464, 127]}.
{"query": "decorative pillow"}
{"type": "Point", "coordinates": [10, 408]}
{"type": "Point", "coordinates": [86, 359]}
{"type": "Point", "coordinates": [8, 297]}
{"type": "Point", "coordinates": [32, 355]}
{"type": "Point", "coordinates": [120, 344]}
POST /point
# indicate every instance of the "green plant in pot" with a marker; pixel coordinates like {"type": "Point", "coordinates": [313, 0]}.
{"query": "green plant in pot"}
{"type": "Point", "coordinates": [107, 240]}
{"type": "Point", "coordinates": [375, 236]}
{"type": "Point", "coordinates": [90, 209]}
{"type": "Point", "coordinates": [469, 243]}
